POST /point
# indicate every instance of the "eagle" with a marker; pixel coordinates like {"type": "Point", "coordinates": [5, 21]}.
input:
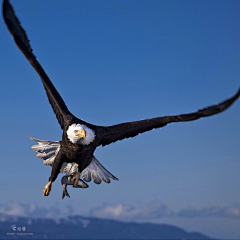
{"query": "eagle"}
{"type": "Point", "coordinates": [79, 138]}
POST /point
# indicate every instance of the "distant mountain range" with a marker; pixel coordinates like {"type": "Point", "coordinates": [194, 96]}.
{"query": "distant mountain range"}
{"type": "Point", "coordinates": [78, 227]}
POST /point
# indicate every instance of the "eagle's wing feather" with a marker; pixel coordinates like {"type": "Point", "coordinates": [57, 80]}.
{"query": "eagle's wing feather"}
{"type": "Point", "coordinates": [126, 130]}
{"type": "Point", "coordinates": [60, 109]}
{"type": "Point", "coordinates": [46, 150]}
{"type": "Point", "coordinates": [96, 172]}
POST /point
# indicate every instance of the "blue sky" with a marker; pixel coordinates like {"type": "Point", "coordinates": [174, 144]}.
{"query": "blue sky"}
{"type": "Point", "coordinates": [119, 61]}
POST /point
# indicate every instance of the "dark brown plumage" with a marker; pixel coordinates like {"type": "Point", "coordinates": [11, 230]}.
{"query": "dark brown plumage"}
{"type": "Point", "coordinates": [82, 153]}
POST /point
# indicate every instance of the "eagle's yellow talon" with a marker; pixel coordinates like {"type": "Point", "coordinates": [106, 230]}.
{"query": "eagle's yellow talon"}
{"type": "Point", "coordinates": [47, 189]}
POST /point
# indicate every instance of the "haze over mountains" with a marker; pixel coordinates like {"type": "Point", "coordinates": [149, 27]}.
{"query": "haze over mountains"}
{"type": "Point", "coordinates": [78, 227]}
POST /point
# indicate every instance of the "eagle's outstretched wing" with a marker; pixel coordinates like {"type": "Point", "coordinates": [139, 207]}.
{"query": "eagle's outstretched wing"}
{"type": "Point", "coordinates": [60, 109]}
{"type": "Point", "coordinates": [126, 130]}
{"type": "Point", "coordinates": [108, 134]}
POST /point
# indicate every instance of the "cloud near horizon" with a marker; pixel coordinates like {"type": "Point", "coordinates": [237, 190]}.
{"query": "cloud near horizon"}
{"type": "Point", "coordinates": [120, 211]}
{"type": "Point", "coordinates": [29, 210]}
{"type": "Point", "coordinates": [225, 212]}
{"type": "Point", "coordinates": [154, 210]}
{"type": "Point", "coordinates": [157, 210]}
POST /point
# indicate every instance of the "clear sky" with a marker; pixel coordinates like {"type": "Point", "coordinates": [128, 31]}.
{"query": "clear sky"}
{"type": "Point", "coordinates": [119, 61]}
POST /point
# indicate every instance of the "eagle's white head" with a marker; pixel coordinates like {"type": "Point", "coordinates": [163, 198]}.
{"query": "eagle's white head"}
{"type": "Point", "coordinates": [80, 134]}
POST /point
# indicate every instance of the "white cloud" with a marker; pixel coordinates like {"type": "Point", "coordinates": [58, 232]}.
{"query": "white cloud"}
{"type": "Point", "coordinates": [29, 210]}
{"type": "Point", "coordinates": [14, 209]}
{"type": "Point", "coordinates": [159, 210]}
{"type": "Point", "coordinates": [153, 211]}
{"type": "Point", "coordinates": [121, 211]}
{"type": "Point", "coordinates": [223, 212]}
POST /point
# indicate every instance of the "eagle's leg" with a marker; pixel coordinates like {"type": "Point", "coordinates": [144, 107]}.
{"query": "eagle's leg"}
{"type": "Point", "coordinates": [76, 177]}
{"type": "Point", "coordinates": [55, 171]}
{"type": "Point", "coordinates": [47, 189]}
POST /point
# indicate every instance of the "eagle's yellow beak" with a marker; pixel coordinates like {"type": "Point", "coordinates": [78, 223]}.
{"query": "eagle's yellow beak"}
{"type": "Point", "coordinates": [81, 134]}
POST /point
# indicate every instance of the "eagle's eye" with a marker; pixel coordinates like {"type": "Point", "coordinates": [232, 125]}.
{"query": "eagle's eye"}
{"type": "Point", "coordinates": [75, 131]}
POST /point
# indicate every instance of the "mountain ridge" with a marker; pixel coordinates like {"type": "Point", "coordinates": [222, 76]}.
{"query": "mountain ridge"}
{"type": "Point", "coordinates": [79, 227]}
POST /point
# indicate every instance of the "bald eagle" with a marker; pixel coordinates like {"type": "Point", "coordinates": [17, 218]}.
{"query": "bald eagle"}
{"type": "Point", "coordinates": [80, 138]}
